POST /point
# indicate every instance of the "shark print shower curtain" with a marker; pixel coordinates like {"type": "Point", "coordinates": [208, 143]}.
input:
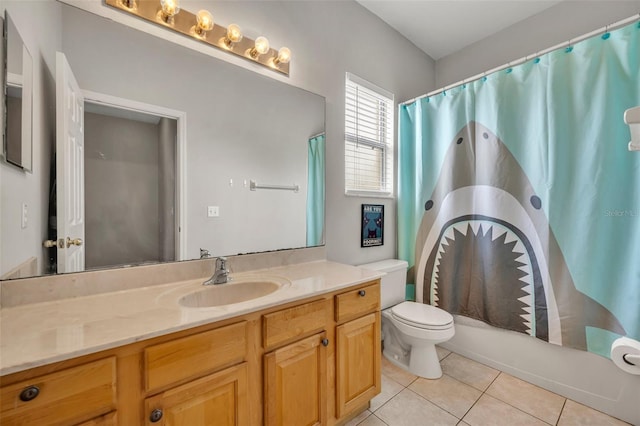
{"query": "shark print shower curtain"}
{"type": "Point", "coordinates": [518, 200]}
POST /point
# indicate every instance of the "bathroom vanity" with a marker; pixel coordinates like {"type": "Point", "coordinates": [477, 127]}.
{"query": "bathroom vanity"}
{"type": "Point", "coordinates": [307, 353]}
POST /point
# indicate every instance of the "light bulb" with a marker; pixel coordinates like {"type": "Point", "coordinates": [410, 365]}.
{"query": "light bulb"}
{"type": "Point", "coordinates": [204, 21]}
{"type": "Point", "coordinates": [284, 56]}
{"type": "Point", "coordinates": [260, 48]}
{"type": "Point", "coordinates": [234, 35]}
{"type": "Point", "coordinates": [170, 8]}
{"type": "Point", "coordinates": [262, 45]}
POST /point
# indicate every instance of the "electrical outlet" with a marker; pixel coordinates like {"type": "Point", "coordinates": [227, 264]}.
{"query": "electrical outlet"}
{"type": "Point", "coordinates": [213, 211]}
{"type": "Point", "coordinates": [24, 216]}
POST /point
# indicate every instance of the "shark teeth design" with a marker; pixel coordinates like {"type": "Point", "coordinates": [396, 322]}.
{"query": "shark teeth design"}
{"type": "Point", "coordinates": [507, 244]}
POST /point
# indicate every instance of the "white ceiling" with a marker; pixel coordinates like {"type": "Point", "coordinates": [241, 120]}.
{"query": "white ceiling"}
{"type": "Point", "coordinates": [442, 27]}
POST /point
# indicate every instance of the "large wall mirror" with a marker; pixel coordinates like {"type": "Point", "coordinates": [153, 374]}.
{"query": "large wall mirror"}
{"type": "Point", "coordinates": [18, 80]}
{"type": "Point", "coordinates": [167, 151]}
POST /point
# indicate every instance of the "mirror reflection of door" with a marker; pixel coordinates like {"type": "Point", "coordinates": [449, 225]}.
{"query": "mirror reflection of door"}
{"type": "Point", "coordinates": [126, 187]}
{"type": "Point", "coordinates": [69, 168]}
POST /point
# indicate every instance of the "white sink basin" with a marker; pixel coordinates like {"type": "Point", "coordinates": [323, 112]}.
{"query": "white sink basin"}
{"type": "Point", "coordinates": [229, 293]}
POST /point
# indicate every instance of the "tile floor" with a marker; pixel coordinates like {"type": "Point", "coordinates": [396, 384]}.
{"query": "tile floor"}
{"type": "Point", "coordinates": [471, 394]}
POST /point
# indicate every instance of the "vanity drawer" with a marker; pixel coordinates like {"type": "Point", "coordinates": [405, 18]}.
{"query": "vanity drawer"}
{"type": "Point", "coordinates": [355, 303]}
{"type": "Point", "coordinates": [68, 396]}
{"type": "Point", "coordinates": [194, 356]}
{"type": "Point", "coordinates": [294, 323]}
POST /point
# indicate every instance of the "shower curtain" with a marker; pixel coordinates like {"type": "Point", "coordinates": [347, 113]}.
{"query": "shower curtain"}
{"type": "Point", "coordinates": [315, 191]}
{"type": "Point", "coordinates": [518, 201]}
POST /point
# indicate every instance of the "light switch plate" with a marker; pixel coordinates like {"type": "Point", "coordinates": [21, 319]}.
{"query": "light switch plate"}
{"type": "Point", "coordinates": [213, 211]}
{"type": "Point", "coordinates": [24, 216]}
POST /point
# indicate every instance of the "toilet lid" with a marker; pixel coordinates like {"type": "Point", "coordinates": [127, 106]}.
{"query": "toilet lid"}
{"type": "Point", "coordinates": [421, 315]}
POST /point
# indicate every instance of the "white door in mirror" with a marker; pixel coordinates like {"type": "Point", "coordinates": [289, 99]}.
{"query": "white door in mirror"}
{"type": "Point", "coordinates": [69, 167]}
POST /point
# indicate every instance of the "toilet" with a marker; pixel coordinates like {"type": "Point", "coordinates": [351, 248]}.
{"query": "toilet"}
{"type": "Point", "coordinates": [410, 330]}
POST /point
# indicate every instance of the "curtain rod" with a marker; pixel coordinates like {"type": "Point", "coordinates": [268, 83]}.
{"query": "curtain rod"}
{"type": "Point", "coordinates": [524, 59]}
{"type": "Point", "coordinates": [315, 136]}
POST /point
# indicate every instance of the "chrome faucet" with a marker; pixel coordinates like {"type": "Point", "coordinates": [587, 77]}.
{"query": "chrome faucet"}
{"type": "Point", "coordinates": [221, 274]}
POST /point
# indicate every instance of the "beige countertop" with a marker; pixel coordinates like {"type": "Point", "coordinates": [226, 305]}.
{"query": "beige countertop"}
{"type": "Point", "coordinates": [42, 333]}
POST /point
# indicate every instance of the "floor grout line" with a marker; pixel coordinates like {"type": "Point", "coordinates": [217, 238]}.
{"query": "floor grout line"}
{"type": "Point", "coordinates": [482, 393]}
{"type": "Point", "coordinates": [380, 419]}
{"type": "Point", "coordinates": [443, 408]}
{"type": "Point", "coordinates": [561, 410]}
{"type": "Point", "coordinates": [519, 409]}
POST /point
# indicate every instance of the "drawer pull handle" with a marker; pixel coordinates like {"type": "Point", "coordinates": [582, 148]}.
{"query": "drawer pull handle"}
{"type": "Point", "coordinates": [325, 342]}
{"type": "Point", "coordinates": [156, 415]}
{"type": "Point", "coordinates": [361, 293]}
{"type": "Point", "coordinates": [29, 393]}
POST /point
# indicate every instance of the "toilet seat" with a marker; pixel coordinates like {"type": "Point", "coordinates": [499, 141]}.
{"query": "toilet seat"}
{"type": "Point", "coordinates": [422, 316]}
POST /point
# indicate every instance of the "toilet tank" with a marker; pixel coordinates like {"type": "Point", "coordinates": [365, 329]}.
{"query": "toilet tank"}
{"type": "Point", "coordinates": [393, 285]}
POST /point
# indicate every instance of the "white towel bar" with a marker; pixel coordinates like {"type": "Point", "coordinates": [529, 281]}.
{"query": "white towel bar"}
{"type": "Point", "coordinates": [254, 185]}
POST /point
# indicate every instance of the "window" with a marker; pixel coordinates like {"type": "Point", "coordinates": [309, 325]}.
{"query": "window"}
{"type": "Point", "coordinates": [368, 139]}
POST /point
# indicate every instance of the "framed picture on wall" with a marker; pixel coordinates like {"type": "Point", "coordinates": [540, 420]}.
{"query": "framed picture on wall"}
{"type": "Point", "coordinates": [372, 233]}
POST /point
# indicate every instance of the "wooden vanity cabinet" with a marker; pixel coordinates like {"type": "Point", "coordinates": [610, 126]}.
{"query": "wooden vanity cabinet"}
{"type": "Point", "coordinates": [295, 369]}
{"type": "Point", "coordinates": [295, 383]}
{"type": "Point", "coordinates": [219, 398]}
{"type": "Point", "coordinates": [69, 396]}
{"type": "Point", "coordinates": [358, 348]}
{"type": "Point", "coordinates": [310, 362]}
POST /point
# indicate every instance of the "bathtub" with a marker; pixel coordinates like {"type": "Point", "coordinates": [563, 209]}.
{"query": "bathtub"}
{"type": "Point", "coordinates": [584, 377]}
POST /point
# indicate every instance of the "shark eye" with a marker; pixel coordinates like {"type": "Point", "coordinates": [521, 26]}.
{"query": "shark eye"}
{"type": "Point", "coordinates": [459, 141]}
{"type": "Point", "coordinates": [485, 135]}
{"type": "Point", "coordinates": [428, 205]}
{"type": "Point", "coordinates": [536, 202]}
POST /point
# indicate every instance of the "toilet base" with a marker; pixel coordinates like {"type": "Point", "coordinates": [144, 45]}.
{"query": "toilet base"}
{"type": "Point", "coordinates": [397, 360]}
{"type": "Point", "coordinates": [411, 348]}
{"type": "Point", "coordinates": [424, 362]}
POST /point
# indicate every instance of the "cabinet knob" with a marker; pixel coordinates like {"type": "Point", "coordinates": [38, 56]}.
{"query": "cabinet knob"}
{"type": "Point", "coordinates": [362, 293]}
{"type": "Point", "coordinates": [29, 393]}
{"type": "Point", "coordinates": [156, 415]}
{"type": "Point", "coordinates": [325, 342]}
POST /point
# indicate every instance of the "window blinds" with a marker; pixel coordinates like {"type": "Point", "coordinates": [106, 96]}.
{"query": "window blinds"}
{"type": "Point", "coordinates": [369, 133]}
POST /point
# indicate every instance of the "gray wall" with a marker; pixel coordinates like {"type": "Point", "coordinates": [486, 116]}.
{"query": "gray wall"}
{"type": "Point", "coordinates": [41, 33]}
{"type": "Point", "coordinates": [560, 23]}
{"type": "Point", "coordinates": [121, 191]}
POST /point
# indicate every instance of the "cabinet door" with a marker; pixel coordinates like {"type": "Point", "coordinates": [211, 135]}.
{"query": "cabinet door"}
{"type": "Point", "coordinates": [295, 383]}
{"type": "Point", "coordinates": [218, 399]}
{"type": "Point", "coordinates": [358, 362]}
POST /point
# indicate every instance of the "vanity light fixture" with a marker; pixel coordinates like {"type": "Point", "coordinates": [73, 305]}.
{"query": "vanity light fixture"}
{"type": "Point", "coordinates": [129, 4]}
{"type": "Point", "coordinates": [201, 27]}
{"type": "Point", "coordinates": [284, 56]}
{"type": "Point", "coordinates": [169, 9]}
{"type": "Point", "coordinates": [204, 23]}
{"type": "Point", "coordinates": [260, 47]}
{"type": "Point", "coordinates": [234, 35]}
